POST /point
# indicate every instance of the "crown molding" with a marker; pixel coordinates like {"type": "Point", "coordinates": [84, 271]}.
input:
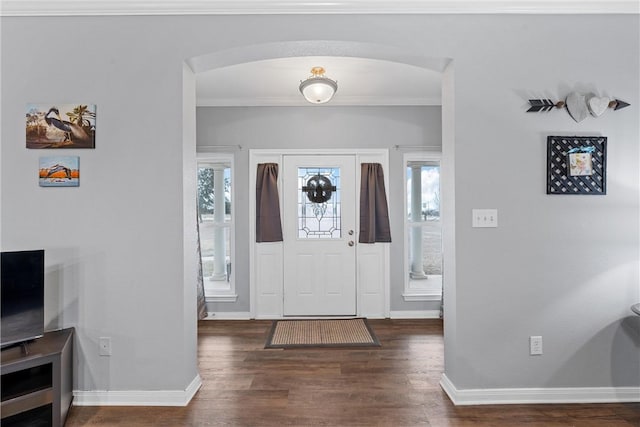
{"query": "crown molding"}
{"type": "Point", "coordinates": [271, 7]}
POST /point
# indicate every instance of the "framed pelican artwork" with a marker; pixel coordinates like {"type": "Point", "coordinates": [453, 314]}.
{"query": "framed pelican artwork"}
{"type": "Point", "coordinates": [59, 171]}
{"type": "Point", "coordinates": [61, 126]}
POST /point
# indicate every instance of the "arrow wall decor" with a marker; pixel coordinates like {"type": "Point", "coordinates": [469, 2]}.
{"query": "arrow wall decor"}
{"type": "Point", "coordinates": [578, 105]}
{"type": "Point", "coordinates": [543, 105]}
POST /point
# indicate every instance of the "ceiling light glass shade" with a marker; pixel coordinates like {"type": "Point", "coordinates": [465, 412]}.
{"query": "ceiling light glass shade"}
{"type": "Point", "coordinates": [318, 89]}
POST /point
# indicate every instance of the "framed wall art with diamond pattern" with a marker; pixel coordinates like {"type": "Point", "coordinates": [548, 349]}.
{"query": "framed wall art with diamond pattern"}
{"type": "Point", "coordinates": [577, 165]}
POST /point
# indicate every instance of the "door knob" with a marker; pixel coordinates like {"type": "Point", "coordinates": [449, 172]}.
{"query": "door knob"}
{"type": "Point", "coordinates": [351, 243]}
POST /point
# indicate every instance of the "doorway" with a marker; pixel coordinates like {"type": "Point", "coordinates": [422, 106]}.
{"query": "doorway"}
{"type": "Point", "coordinates": [319, 236]}
{"type": "Point", "coordinates": [324, 274]}
{"type": "Point", "coordinates": [266, 263]}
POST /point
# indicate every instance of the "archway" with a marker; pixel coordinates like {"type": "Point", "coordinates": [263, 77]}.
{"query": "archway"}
{"type": "Point", "coordinates": [269, 51]}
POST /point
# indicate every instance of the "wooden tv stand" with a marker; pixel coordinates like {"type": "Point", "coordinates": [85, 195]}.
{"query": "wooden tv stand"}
{"type": "Point", "coordinates": [37, 381]}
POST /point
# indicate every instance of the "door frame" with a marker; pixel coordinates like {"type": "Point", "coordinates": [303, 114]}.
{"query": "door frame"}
{"type": "Point", "coordinates": [266, 269]}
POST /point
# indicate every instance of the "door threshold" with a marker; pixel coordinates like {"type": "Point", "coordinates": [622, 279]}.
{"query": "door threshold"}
{"type": "Point", "coordinates": [317, 317]}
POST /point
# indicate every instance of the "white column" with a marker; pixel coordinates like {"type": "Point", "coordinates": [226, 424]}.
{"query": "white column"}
{"type": "Point", "coordinates": [219, 256]}
{"type": "Point", "coordinates": [417, 269]}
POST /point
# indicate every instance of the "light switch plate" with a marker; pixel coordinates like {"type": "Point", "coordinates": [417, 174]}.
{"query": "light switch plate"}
{"type": "Point", "coordinates": [535, 345]}
{"type": "Point", "coordinates": [483, 218]}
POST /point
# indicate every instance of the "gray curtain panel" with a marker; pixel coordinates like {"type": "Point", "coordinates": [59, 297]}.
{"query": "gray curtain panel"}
{"type": "Point", "coordinates": [202, 305]}
{"type": "Point", "coordinates": [268, 224]}
{"type": "Point", "coordinates": [374, 212]}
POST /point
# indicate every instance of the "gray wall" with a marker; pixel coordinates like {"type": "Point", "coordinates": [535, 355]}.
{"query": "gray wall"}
{"type": "Point", "coordinates": [566, 268]}
{"type": "Point", "coordinates": [319, 127]}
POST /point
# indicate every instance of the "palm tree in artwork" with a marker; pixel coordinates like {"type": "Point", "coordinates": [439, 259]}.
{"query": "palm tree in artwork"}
{"type": "Point", "coordinates": [81, 115]}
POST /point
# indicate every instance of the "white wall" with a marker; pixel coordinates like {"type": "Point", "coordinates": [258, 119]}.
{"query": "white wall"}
{"type": "Point", "coordinates": [114, 245]}
{"type": "Point", "coordinates": [319, 127]}
{"type": "Point", "coordinates": [562, 267]}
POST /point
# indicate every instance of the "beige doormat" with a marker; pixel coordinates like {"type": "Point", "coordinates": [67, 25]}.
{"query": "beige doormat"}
{"type": "Point", "coordinates": [321, 333]}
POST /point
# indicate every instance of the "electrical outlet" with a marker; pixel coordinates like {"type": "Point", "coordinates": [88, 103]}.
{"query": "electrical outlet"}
{"type": "Point", "coordinates": [535, 345]}
{"type": "Point", "coordinates": [484, 218]}
{"type": "Point", "coordinates": [105, 346]}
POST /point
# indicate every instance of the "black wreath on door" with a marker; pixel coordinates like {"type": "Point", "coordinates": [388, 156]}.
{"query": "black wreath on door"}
{"type": "Point", "coordinates": [318, 189]}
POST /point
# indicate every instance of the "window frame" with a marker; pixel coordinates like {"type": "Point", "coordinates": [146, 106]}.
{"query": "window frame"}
{"type": "Point", "coordinates": [215, 290]}
{"type": "Point", "coordinates": [418, 290]}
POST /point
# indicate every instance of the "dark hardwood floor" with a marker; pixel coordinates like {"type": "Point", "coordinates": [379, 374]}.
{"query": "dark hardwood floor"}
{"type": "Point", "coordinates": [393, 385]}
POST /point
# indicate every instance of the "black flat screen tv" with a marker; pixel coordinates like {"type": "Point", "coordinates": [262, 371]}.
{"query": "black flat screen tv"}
{"type": "Point", "coordinates": [21, 296]}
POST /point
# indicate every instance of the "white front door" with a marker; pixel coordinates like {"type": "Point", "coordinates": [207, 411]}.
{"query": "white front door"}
{"type": "Point", "coordinates": [319, 235]}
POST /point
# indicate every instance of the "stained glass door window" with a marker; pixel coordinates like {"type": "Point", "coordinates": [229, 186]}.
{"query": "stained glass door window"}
{"type": "Point", "coordinates": [319, 203]}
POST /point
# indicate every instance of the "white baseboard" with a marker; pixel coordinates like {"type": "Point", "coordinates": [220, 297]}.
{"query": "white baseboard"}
{"type": "Point", "coordinates": [137, 397]}
{"type": "Point", "coordinates": [415, 314]}
{"type": "Point", "coordinates": [502, 396]}
{"type": "Point", "coordinates": [422, 314]}
{"type": "Point", "coordinates": [241, 315]}
{"type": "Point", "coordinates": [228, 315]}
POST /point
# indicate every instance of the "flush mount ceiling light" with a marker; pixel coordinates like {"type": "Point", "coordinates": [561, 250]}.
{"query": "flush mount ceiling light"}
{"type": "Point", "coordinates": [318, 89]}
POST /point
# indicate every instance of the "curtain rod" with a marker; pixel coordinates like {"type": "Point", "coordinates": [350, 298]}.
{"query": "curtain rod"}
{"type": "Point", "coordinates": [398, 147]}
{"type": "Point", "coordinates": [208, 148]}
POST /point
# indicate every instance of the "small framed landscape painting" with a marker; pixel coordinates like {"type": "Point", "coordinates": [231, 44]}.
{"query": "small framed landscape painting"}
{"type": "Point", "coordinates": [59, 171]}
{"type": "Point", "coordinates": [61, 126]}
